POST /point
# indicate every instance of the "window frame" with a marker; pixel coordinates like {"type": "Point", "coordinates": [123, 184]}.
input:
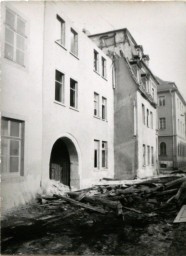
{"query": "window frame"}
{"type": "Point", "coordinates": [96, 101]}
{"type": "Point", "coordinates": [104, 67]}
{"type": "Point", "coordinates": [143, 114]}
{"type": "Point", "coordinates": [162, 123]}
{"type": "Point", "coordinates": [144, 154]}
{"type": "Point", "coordinates": [9, 138]}
{"type": "Point", "coordinates": [161, 101]}
{"type": "Point", "coordinates": [62, 40]}
{"type": "Point", "coordinates": [75, 93]}
{"type": "Point", "coordinates": [74, 43]}
{"type": "Point", "coordinates": [96, 61]}
{"type": "Point", "coordinates": [104, 104]}
{"type": "Point", "coordinates": [62, 84]}
{"type": "Point", "coordinates": [16, 36]}
{"type": "Point", "coordinates": [97, 165]}
{"type": "Point", "coordinates": [104, 149]}
{"type": "Point", "coordinates": [163, 149]}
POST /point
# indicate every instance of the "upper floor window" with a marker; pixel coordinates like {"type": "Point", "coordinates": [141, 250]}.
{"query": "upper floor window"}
{"type": "Point", "coordinates": [147, 118]}
{"type": "Point", "coordinates": [12, 146]}
{"type": "Point", "coordinates": [15, 37]}
{"type": "Point", "coordinates": [74, 42]}
{"type": "Point", "coordinates": [96, 104]}
{"type": "Point", "coordinates": [96, 61]}
{"type": "Point", "coordinates": [73, 94]}
{"type": "Point", "coordinates": [104, 69]}
{"type": "Point", "coordinates": [61, 31]}
{"type": "Point", "coordinates": [59, 87]}
{"type": "Point", "coordinates": [148, 155]}
{"type": "Point", "coordinates": [163, 149]}
{"type": "Point", "coordinates": [104, 108]}
{"type": "Point", "coordinates": [153, 93]}
{"type": "Point", "coordinates": [162, 123]}
{"type": "Point", "coordinates": [161, 100]}
{"type": "Point", "coordinates": [143, 113]}
{"type": "Point", "coordinates": [151, 119]}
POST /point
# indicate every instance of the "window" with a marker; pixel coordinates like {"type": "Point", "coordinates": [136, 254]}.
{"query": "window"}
{"type": "Point", "coordinates": [96, 61]}
{"type": "Point", "coordinates": [74, 42]}
{"type": "Point", "coordinates": [59, 87]}
{"type": "Point", "coordinates": [153, 93]}
{"type": "Point", "coordinates": [151, 119]}
{"type": "Point", "coordinates": [163, 149]}
{"type": "Point", "coordinates": [144, 155]}
{"type": "Point", "coordinates": [152, 155]}
{"type": "Point", "coordinates": [148, 152]}
{"type": "Point", "coordinates": [161, 100]}
{"type": "Point", "coordinates": [15, 38]}
{"type": "Point", "coordinates": [162, 123]}
{"type": "Point", "coordinates": [61, 31]}
{"type": "Point", "coordinates": [96, 153]}
{"type": "Point", "coordinates": [12, 146]}
{"type": "Point", "coordinates": [96, 104]}
{"type": "Point", "coordinates": [147, 118]}
{"type": "Point", "coordinates": [104, 152]}
{"type": "Point", "coordinates": [143, 113]}
{"type": "Point", "coordinates": [73, 93]}
{"type": "Point", "coordinates": [104, 70]}
{"type": "Point", "coordinates": [104, 108]}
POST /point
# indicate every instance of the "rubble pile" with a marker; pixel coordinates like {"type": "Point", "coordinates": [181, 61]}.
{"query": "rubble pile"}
{"type": "Point", "coordinates": [148, 197]}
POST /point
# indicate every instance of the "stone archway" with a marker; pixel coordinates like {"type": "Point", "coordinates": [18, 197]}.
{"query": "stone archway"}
{"type": "Point", "coordinates": [64, 162]}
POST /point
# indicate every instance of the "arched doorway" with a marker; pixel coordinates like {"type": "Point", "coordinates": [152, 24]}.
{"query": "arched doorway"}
{"type": "Point", "coordinates": [64, 162]}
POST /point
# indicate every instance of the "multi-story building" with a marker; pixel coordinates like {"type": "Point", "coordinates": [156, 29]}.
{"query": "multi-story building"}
{"type": "Point", "coordinates": [172, 126]}
{"type": "Point", "coordinates": [57, 103]}
{"type": "Point", "coordinates": [135, 101]}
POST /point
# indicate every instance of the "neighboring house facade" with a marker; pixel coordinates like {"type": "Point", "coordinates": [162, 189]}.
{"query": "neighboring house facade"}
{"type": "Point", "coordinates": [57, 103]}
{"type": "Point", "coordinates": [172, 130]}
{"type": "Point", "coordinates": [135, 105]}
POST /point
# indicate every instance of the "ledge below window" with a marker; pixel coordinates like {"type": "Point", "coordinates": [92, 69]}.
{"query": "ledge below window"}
{"type": "Point", "coordinates": [62, 46]}
{"type": "Point", "coordinates": [74, 109]}
{"type": "Point", "coordinates": [59, 103]}
{"type": "Point", "coordinates": [74, 55]}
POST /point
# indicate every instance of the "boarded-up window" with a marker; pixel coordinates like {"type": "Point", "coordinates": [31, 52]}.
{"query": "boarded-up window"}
{"type": "Point", "coordinates": [12, 146]}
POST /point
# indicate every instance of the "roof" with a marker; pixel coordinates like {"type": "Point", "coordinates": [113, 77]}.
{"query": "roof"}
{"type": "Point", "coordinates": [167, 86]}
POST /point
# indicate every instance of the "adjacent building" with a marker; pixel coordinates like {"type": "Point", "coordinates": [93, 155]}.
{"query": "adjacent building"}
{"type": "Point", "coordinates": [135, 105]}
{"type": "Point", "coordinates": [172, 126]}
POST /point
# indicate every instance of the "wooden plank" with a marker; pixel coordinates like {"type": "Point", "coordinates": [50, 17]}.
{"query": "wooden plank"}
{"type": "Point", "coordinates": [181, 217]}
{"type": "Point", "coordinates": [95, 209]}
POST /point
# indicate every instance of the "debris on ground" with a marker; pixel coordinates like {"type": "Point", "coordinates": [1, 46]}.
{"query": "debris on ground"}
{"type": "Point", "coordinates": [130, 218]}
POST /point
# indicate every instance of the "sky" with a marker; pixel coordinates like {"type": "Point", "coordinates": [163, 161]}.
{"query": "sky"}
{"type": "Point", "coordinates": [160, 27]}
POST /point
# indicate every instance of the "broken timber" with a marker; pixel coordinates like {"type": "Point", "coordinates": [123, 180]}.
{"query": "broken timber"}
{"type": "Point", "coordinates": [95, 209]}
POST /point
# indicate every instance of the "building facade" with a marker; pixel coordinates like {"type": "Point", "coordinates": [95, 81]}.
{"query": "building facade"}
{"type": "Point", "coordinates": [135, 105]}
{"type": "Point", "coordinates": [57, 107]}
{"type": "Point", "coordinates": [172, 122]}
